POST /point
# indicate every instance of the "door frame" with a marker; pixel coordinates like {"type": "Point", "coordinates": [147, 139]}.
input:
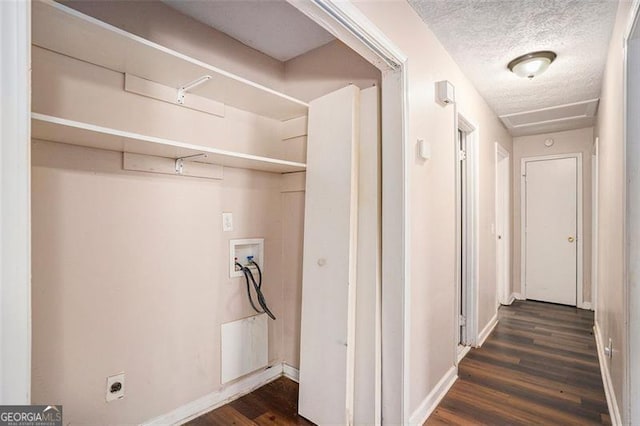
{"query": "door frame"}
{"type": "Point", "coordinates": [471, 247]}
{"type": "Point", "coordinates": [631, 382]}
{"type": "Point", "coordinates": [503, 294]}
{"type": "Point", "coordinates": [349, 25]}
{"type": "Point", "coordinates": [595, 219]}
{"type": "Point", "coordinates": [579, 226]}
{"type": "Point", "coordinates": [15, 203]}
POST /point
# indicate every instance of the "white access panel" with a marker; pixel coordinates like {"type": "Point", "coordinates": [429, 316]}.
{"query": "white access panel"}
{"type": "Point", "coordinates": [329, 266]}
{"type": "Point", "coordinates": [244, 347]}
{"type": "Point", "coordinates": [551, 225]}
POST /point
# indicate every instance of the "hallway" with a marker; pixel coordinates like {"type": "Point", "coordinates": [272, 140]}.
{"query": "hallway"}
{"type": "Point", "coordinates": [538, 366]}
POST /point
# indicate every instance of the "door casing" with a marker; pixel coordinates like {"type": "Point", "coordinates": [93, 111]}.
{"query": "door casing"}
{"type": "Point", "coordinates": [502, 213]}
{"type": "Point", "coordinates": [469, 221]}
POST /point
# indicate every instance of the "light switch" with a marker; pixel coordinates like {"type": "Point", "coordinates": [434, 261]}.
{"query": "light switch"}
{"type": "Point", "coordinates": [227, 222]}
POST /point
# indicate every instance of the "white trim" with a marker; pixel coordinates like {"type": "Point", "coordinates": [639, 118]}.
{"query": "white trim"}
{"type": "Point", "coordinates": [431, 401]}
{"type": "Point", "coordinates": [631, 294]}
{"type": "Point", "coordinates": [510, 299]}
{"type": "Point", "coordinates": [15, 203]}
{"type": "Point", "coordinates": [471, 229]}
{"type": "Point", "coordinates": [348, 24]}
{"type": "Point", "coordinates": [595, 219]}
{"type": "Point", "coordinates": [609, 390]}
{"type": "Point", "coordinates": [290, 372]}
{"type": "Point", "coordinates": [218, 398]}
{"type": "Point", "coordinates": [587, 306]}
{"type": "Point", "coordinates": [579, 224]}
{"type": "Point", "coordinates": [462, 352]}
{"type": "Point", "coordinates": [518, 296]}
{"type": "Point", "coordinates": [486, 331]}
{"type": "Point", "coordinates": [503, 293]}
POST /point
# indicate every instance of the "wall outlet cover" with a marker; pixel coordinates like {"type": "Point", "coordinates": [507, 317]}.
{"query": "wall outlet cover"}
{"type": "Point", "coordinates": [227, 222]}
{"type": "Point", "coordinates": [115, 387]}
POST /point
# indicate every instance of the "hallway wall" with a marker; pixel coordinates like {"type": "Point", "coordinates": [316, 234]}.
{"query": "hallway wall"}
{"type": "Point", "coordinates": [432, 194]}
{"type": "Point", "coordinates": [610, 309]}
{"type": "Point", "coordinates": [571, 141]}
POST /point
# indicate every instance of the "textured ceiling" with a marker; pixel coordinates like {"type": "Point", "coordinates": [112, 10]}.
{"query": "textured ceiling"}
{"type": "Point", "coordinates": [482, 36]}
{"type": "Point", "coordinates": [273, 27]}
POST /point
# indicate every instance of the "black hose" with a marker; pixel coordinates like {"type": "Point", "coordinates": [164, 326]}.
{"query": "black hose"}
{"type": "Point", "coordinates": [248, 275]}
{"type": "Point", "coordinates": [246, 278]}
{"type": "Point", "coordinates": [257, 286]}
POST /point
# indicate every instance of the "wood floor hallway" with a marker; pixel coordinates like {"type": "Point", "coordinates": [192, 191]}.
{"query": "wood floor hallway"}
{"type": "Point", "coordinates": [539, 366]}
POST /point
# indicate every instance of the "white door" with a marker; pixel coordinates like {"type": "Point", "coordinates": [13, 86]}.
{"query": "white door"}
{"type": "Point", "coordinates": [502, 224]}
{"type": "Point", "coordinates": [329, 264]}
{"type": "Point", "coordinates": [551, 212]}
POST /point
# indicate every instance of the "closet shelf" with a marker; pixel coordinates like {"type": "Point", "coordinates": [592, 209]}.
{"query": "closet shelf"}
{"type": "Point", "coordinates": [66, 31]}
{"type": "Point", "coordinates": [56, 129]}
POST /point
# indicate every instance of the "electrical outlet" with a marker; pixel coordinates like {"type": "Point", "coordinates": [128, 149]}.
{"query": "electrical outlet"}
{"type": "Point", "coordinates": [115, 387]}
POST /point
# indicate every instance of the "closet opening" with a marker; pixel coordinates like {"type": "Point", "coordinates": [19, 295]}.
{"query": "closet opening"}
{"type": "Point", "coordinates": [173, 160]}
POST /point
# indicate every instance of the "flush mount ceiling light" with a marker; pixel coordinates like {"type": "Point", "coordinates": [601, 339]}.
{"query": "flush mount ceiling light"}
{"type": "Point", "coordinates": [532, 64]}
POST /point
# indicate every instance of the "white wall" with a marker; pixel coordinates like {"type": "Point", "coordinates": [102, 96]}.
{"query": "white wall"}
{"type": "Point", "coordinates": [130, 273]}
{"type": "Point", "coordinates": [432, 212]}
{"type": "Point", "coordinates": [611, 298]}
{"type": "Point", "coordinates": [571, 141]}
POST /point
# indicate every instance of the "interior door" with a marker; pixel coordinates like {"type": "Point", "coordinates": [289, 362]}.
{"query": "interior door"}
{"type": "Point", "coordinates": [329, 264]}
{"type": "Point", "coordinates": [551, 188]}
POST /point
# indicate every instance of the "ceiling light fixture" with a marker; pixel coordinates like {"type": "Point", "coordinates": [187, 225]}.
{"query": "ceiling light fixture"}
{"type": "Point", "coordinates": [532, 64]}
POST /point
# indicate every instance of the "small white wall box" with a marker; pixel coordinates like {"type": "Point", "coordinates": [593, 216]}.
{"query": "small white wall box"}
{"type": "Point", "coordinates": [446, 92]}
{"type": "Point", "coordinates": [242, 250]}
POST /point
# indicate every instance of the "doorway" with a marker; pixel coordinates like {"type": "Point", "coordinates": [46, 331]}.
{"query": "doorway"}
{"type": "Point", "coordinates": [466, 235]}
{"type": "Point", "coordinates": [552, 227]}
{"type": "Point", "coordinates": [503, 234]}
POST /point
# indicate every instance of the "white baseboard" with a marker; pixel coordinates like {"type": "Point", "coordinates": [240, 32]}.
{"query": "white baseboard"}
{"type": "Point", "coordinates": [586, 305]}
{"type": "Point", "coordinates": [462, 351]}
{"type": "Point", "coordinates": [291, 372]}
{"type": "Point", "coordinates": [218, 398]}
{"type": "Point", "coordinates": [518, 296]}
{"type": "Point", "coordinates": [512, 298]}
{"type": "Point", "coordinates": [612, 403]}
{"type": "Point", "coordinates": [487, 330]}
{"type": "Point", "coordinates": [432, 400]}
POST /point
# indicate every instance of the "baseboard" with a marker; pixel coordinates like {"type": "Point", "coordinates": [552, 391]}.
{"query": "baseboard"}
{"type": "Point", "coordinates": [518, 296]}
{"type": "Point", "coordinates": [432, 400]}
{"type": "Point", "coordinates": [487, 330]}
{"type": "Point", "coordinates": [291, 372]}
{"type": "Point", "coordinates": [512, 298]}
{"type": "Point", "coordinates": [218, 398]}
{"type": "Point", "coordinates": [609, 392]}
{"type": "Point", "coordinates": [586, 305]}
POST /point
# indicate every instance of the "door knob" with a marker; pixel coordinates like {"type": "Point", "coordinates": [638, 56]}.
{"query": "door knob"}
{"type": "Point", "coordinates": [571, 239]}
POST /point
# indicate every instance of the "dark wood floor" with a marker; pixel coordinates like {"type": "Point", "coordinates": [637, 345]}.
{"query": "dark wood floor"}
{"type": "Point", "coordinates": [539, 366]}
{"type": "Point", "coordinates": [273, 404]}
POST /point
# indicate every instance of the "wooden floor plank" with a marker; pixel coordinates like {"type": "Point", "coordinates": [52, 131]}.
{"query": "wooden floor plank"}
{"type": "Point", "coordinates": [539, 366]}
{"type": "Point", "coordinates": [274, 404]}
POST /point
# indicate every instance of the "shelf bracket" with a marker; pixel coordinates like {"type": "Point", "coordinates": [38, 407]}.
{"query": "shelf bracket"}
{"type": "Point", "coordinates": [182, 90]}
{"type": "Point", "coordinates": [180, 161]}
